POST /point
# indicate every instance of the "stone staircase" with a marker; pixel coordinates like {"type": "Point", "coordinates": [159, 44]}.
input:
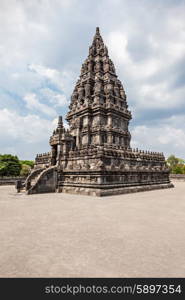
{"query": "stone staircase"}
{"type": "Point", "coordinates": [31, 180]}
{"type": "Point", "coordinates": [42, 181]}
{"type": "Point", "coordinates": [34, 180]}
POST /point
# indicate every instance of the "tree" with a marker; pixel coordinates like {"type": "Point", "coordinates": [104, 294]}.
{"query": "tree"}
{"type": "Point", "coordinates": [172, 161]}
{"type": "Point", "coordinates": [178, 169]}
{"type": "Point", "coordinates": [9, 165]}
{"type": "Point", "coordinates": [177, 165]}
{"type": "Point", "coordinates": [2, 167]}
{"type": "Point", "coordinates": [25, 170]}
{"type": "Point", "coordinates": [27, 162]}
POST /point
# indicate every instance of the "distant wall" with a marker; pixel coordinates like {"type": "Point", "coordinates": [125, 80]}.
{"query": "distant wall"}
{"type": "Point", "coordinates": [10, 180]}
{"type": "Point", "coordinates": [177, 177]}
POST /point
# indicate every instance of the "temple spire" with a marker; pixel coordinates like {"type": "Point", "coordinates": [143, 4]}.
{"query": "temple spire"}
{"type": "Point", "coordinates": [98, 84]}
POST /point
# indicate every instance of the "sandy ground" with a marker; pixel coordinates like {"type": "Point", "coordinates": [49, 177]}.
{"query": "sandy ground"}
{"type": "Point", "coordinates": [61, 235]}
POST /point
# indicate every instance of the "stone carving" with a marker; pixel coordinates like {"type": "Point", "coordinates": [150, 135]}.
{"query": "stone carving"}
{"type": "Point", "coordinates": [91, 51]}
{"type": "Point", "coordinates": [87, 89]}
{"type": "Point", "coordinates": [106, 65]}
{"type": "Point", "coordinates": [112, 68]}
{"type": "Point", "coordinates": [97, 66]}
{"type": "Point", "coordinates": [110, 88]}
{"type": "Point", "coordinates": [98, 86]}
{"type": "Point", "coordinates": [80, 92]}
{"type": "Point", "coordinates": [122, 93]}
{"type": "Point", "coordinates": [116, 90]}
{"type": "Point", "coordinates": [90, 66]}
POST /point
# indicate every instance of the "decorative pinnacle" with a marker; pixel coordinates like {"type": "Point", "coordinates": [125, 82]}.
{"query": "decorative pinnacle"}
{"type": "Point", "coordinates": [60, 122]}
{"type": "Point", "coordinates": [97, 35]}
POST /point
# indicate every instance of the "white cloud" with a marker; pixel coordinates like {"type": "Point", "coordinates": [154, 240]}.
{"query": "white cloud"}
{"type": "Point", "coordinates": [30, 128]}
{"type": "Point", "coordinates": [168, 136]}
{"type": "Point", "coordinates": [56, 99]}
{"type": "Point", "coordinates": [60, 79]}
{"type": "Point", "coordinates": [146, 54]}
{"type": "Point", "coordinates": [33, 103]}
{"type": "Point", "coordinates": [51, 74]}
{"type": "Point", "coordinates": [159, 96]}
{"type": "Point", "coordinates": [24, 135]}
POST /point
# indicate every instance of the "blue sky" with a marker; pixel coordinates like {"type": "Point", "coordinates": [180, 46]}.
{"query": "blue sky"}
{"type": "Point", "coordinates": [43, 44]}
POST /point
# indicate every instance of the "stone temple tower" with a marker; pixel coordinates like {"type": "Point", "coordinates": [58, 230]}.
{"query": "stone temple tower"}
{"type": "Point", "coordinates": [94, 156]}
{"type": "Point", "coordinates": [98, 111]}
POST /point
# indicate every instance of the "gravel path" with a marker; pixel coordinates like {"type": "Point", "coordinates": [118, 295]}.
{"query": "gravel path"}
{"type": "Point", "coordinates": [62, 235]}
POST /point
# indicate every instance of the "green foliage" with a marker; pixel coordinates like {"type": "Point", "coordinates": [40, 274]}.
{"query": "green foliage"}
{"type": "Point", "coordinates": [172, 161]}
{"type": "Point", "coordinates": [2, 167]}
{"type": "Point", "coordinates": [9, 165]}
{"type": "Point", "coordinates": [25, 170]}
{"type": "Point", "coordinates": [27, 162]}
{"type": "Point", "coordinates": [177, 165]}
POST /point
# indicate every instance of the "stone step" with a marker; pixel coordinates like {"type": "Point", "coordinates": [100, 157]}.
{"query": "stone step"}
{"type": "Point", "coordinates": [34, 180]}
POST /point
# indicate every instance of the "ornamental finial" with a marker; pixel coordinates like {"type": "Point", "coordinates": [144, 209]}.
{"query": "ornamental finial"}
{"type": "Point", "coordinates": [60, 122]}
{"type": "Point", "coordinates": [97, 30]}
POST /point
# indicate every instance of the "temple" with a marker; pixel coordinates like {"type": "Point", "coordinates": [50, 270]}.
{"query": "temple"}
{"type": "Point", "coordinates": [94, 156]}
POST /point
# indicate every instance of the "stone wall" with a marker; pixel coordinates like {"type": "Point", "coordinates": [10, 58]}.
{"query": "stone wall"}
{"type": "Point", "coordinates": [177, 177]}
{"type": "Point", "coordinates": [10, 180]}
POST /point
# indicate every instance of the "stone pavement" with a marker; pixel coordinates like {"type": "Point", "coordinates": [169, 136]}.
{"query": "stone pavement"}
{"type": "Point", "coordinates": [62, 235]}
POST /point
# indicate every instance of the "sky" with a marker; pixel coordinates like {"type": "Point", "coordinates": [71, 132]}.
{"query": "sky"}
{"type": "Point", "coordinates": [43, 44]}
